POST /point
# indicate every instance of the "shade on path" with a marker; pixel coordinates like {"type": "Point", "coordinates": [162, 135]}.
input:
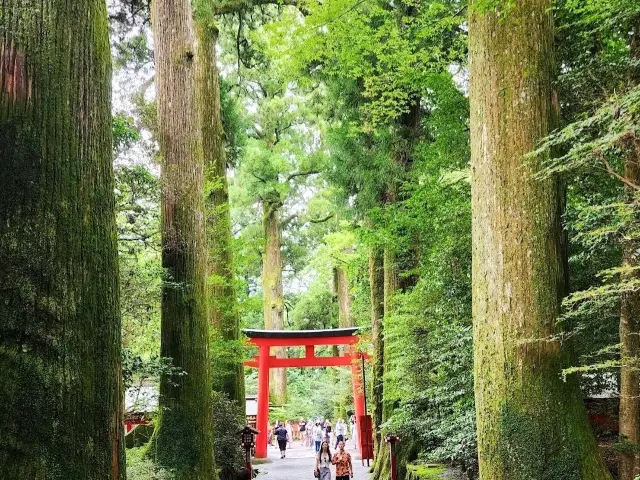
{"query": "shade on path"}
{"type": "Point", "coordinates": [299, 464]}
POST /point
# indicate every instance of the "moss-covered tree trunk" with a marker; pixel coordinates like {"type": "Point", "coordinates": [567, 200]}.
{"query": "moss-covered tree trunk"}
{"type": "Point", "coordinates": [341, 280]}
{"type": "Point", "coordinates": [376, 288]}
{"type": "Point", "coordinates": [408, 131]}
{"type": "Point", "coordinates": [223, 304]}
{"type": "Point", "coordinates": [531, 424]}
{"type": "Point", "coordinates": [273, 292]}
{"type": "Point", "coordinates": [381, 470]}
{"type": "Point", "coordinates": [60, 387]}
{"type": "Point", "coordinates": [184, 438]}
{"type": "Point", "coordinates": [629, 420]}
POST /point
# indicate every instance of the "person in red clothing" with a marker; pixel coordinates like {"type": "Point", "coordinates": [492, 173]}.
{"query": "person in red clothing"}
{"type": "Point", "coordinates": [342, 461]}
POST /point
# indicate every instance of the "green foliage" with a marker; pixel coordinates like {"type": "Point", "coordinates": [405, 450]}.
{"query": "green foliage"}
{"type": "Point", "coordinates": [141, 467]}
{"type": "Point", "coordinates": [421, 472]}
{"type": "Point", "coordinates": [229, 454]}
{"type": "Point", "coordinates": [124, 132]}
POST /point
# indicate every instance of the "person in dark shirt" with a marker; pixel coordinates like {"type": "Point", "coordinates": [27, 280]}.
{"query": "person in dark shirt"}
{"type": "Point", "coordinates": [283, 437]}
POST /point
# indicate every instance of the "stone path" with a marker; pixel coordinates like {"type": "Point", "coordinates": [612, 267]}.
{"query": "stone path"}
{"type": "Point", "coordinates": [299, 465]}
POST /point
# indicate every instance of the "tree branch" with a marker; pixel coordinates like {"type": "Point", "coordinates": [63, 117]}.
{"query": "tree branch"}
{"type": "Point", "coordinates": [615, 174]}
{"type": "Point", "coordinates": [258, 178]}
{"type": "Point", "coordinates": [321, 220]}
{"type": "Point", "coordinates": [226, 7]}
{"type": "Point", "coordinates": [286, 221]}
{"type": "Point", "coordinates": [302, 174]}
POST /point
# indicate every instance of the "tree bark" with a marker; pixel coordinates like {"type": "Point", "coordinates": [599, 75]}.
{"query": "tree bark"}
{"type": "Point", "coordinates": [60, 393]}
{"type": "Point", "coordinates": [223, 303]}
{"type": "Point", "coordinates": [376, 286]}
{"type": "Point", "coordinates": [344, 298]}
{"type": "Point", "coordinates": [530, 423]}
{"type": "Point", "coordinates": [629, 415]}
{"type": "Point", "coordinates": [629, 465]}
{"type": "Point", "coordinates": [273, 292]}
{"type": "Point", "coordinates": [184, 438]}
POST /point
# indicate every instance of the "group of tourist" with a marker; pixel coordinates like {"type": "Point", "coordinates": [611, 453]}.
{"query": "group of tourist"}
{"type": "Point", "coordinates": [319, 433]}
{"type": "Point", "coordinates": [312, 433]}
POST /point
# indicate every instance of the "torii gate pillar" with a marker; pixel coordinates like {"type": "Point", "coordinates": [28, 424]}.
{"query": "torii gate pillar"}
{"type": "Point", "coordinates": [262, 419]}
{"type": "Point", "coordinates": [358, 389]}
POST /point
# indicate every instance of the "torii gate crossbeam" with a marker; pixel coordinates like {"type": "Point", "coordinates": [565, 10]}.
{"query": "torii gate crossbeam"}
{"type": "Point", "coordinates": [265, 339]}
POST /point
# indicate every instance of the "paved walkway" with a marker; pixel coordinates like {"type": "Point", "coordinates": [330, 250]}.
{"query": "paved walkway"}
{"type": "Point", "coordinates": [299, 465]}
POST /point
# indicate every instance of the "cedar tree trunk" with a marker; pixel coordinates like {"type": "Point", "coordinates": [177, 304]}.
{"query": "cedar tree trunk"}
{"type": "Point", "coordinates": [376, 286]}
{"type": "Point", "coordinates": [184, 438]}
{"type": "Point", "coordinates": [223, 304]}
{"type": "Point", "coordinates": [273, 293]}
{"type": "Point", "coordinates": [61, 410]}
{"type": "Point", "coordinates": [531, 424]}
{"type": "Point", "coordinates": [629, 421]}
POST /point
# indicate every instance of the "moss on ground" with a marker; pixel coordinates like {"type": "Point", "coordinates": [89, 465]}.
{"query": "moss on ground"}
{"type": "Point", "coordinates": [425, 472]}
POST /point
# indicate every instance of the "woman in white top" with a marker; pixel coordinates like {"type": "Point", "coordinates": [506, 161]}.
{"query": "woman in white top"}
{"type": "Point", "coordinates": [354, 431]}
{"type": "Point", "coordinates": [290, 432]}
{"type": "Point", "coordinates": [323, 462]}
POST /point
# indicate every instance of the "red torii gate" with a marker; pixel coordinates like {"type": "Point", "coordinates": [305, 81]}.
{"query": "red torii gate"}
{"type": "Point", "coordinates": [265, 339]}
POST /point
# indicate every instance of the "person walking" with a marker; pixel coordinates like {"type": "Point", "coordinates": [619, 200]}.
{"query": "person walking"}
{"type": "Point", "coordinates": [354, 431]}
{"type": "Point", "coordinates": [342, 460]}
{"type": "Point", "coordinates": [317, 436]}
{"type": "Point", "coordinates": [302, 427]}
{"type": "Point", "coordinates": [327, 430]}
{"type": "Point", "coordinates": [341, 431]}
{"type": "Point", "coordinates": [289, 429]}
{"type": "Point", "coordinates": [309, 432]}
{"type": "Point", "coordinates": [323, 462]}
{"type": "Point", "coordinates": [283, 436]}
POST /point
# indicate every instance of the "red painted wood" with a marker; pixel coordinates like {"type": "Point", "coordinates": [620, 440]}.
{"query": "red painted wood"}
{"type": "Point", "coordinates": [262, 419]}
{"type": "Point", "coordinates": [306, 362]}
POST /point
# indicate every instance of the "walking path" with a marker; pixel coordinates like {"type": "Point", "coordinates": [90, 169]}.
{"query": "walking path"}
{"type": "Point", "coordinates": [299, 465]}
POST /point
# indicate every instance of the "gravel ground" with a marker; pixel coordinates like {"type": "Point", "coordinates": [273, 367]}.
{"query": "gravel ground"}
{"type": "Point", "coordinates": [299, 465]}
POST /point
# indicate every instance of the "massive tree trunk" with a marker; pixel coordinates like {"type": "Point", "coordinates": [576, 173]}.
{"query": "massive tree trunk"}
{"type": "Point", "coordinates": [273, 293]}
{"type": "Point", "coordinates": [629, 421]}
{"type": "Point", "coordinates": [184, 437]}
{"type": "Point", "coordinates": [531, 424]}
{"type": "Point", "coordinates": [376, 287]}
{"type": "Point", "coordinates": [391, 282]}
{"type": "Point", "coordinates": [60, 387]}
{"type": "Point", "coordinates": [341, 280]}
{"type": "Point", "coordinates": [408, 132]}
{"type": "Point", "coordinates": [228, 374]}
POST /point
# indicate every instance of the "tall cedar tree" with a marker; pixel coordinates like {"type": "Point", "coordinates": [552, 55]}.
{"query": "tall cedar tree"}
{"type": "Point", "coordinates": [184, 435]}
{"type": "Point", "coordinates": [376, 290]}
{"type": "Point", "coordinates": [272, 289]}
{"type": "Point", "coordinates": [223, 304]}
{"type": "Point", "coordinates": [531, 424]}
{"type": "Point", "coordinates": [60, 394]}
{"type": "Point", "coordinates": [408, 132]}
{"type": "Point", "coordinates": [629, 466]}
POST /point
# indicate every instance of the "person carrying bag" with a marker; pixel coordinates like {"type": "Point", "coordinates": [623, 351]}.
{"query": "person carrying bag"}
{"type": "Point", "coordinates": [323, 463]}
